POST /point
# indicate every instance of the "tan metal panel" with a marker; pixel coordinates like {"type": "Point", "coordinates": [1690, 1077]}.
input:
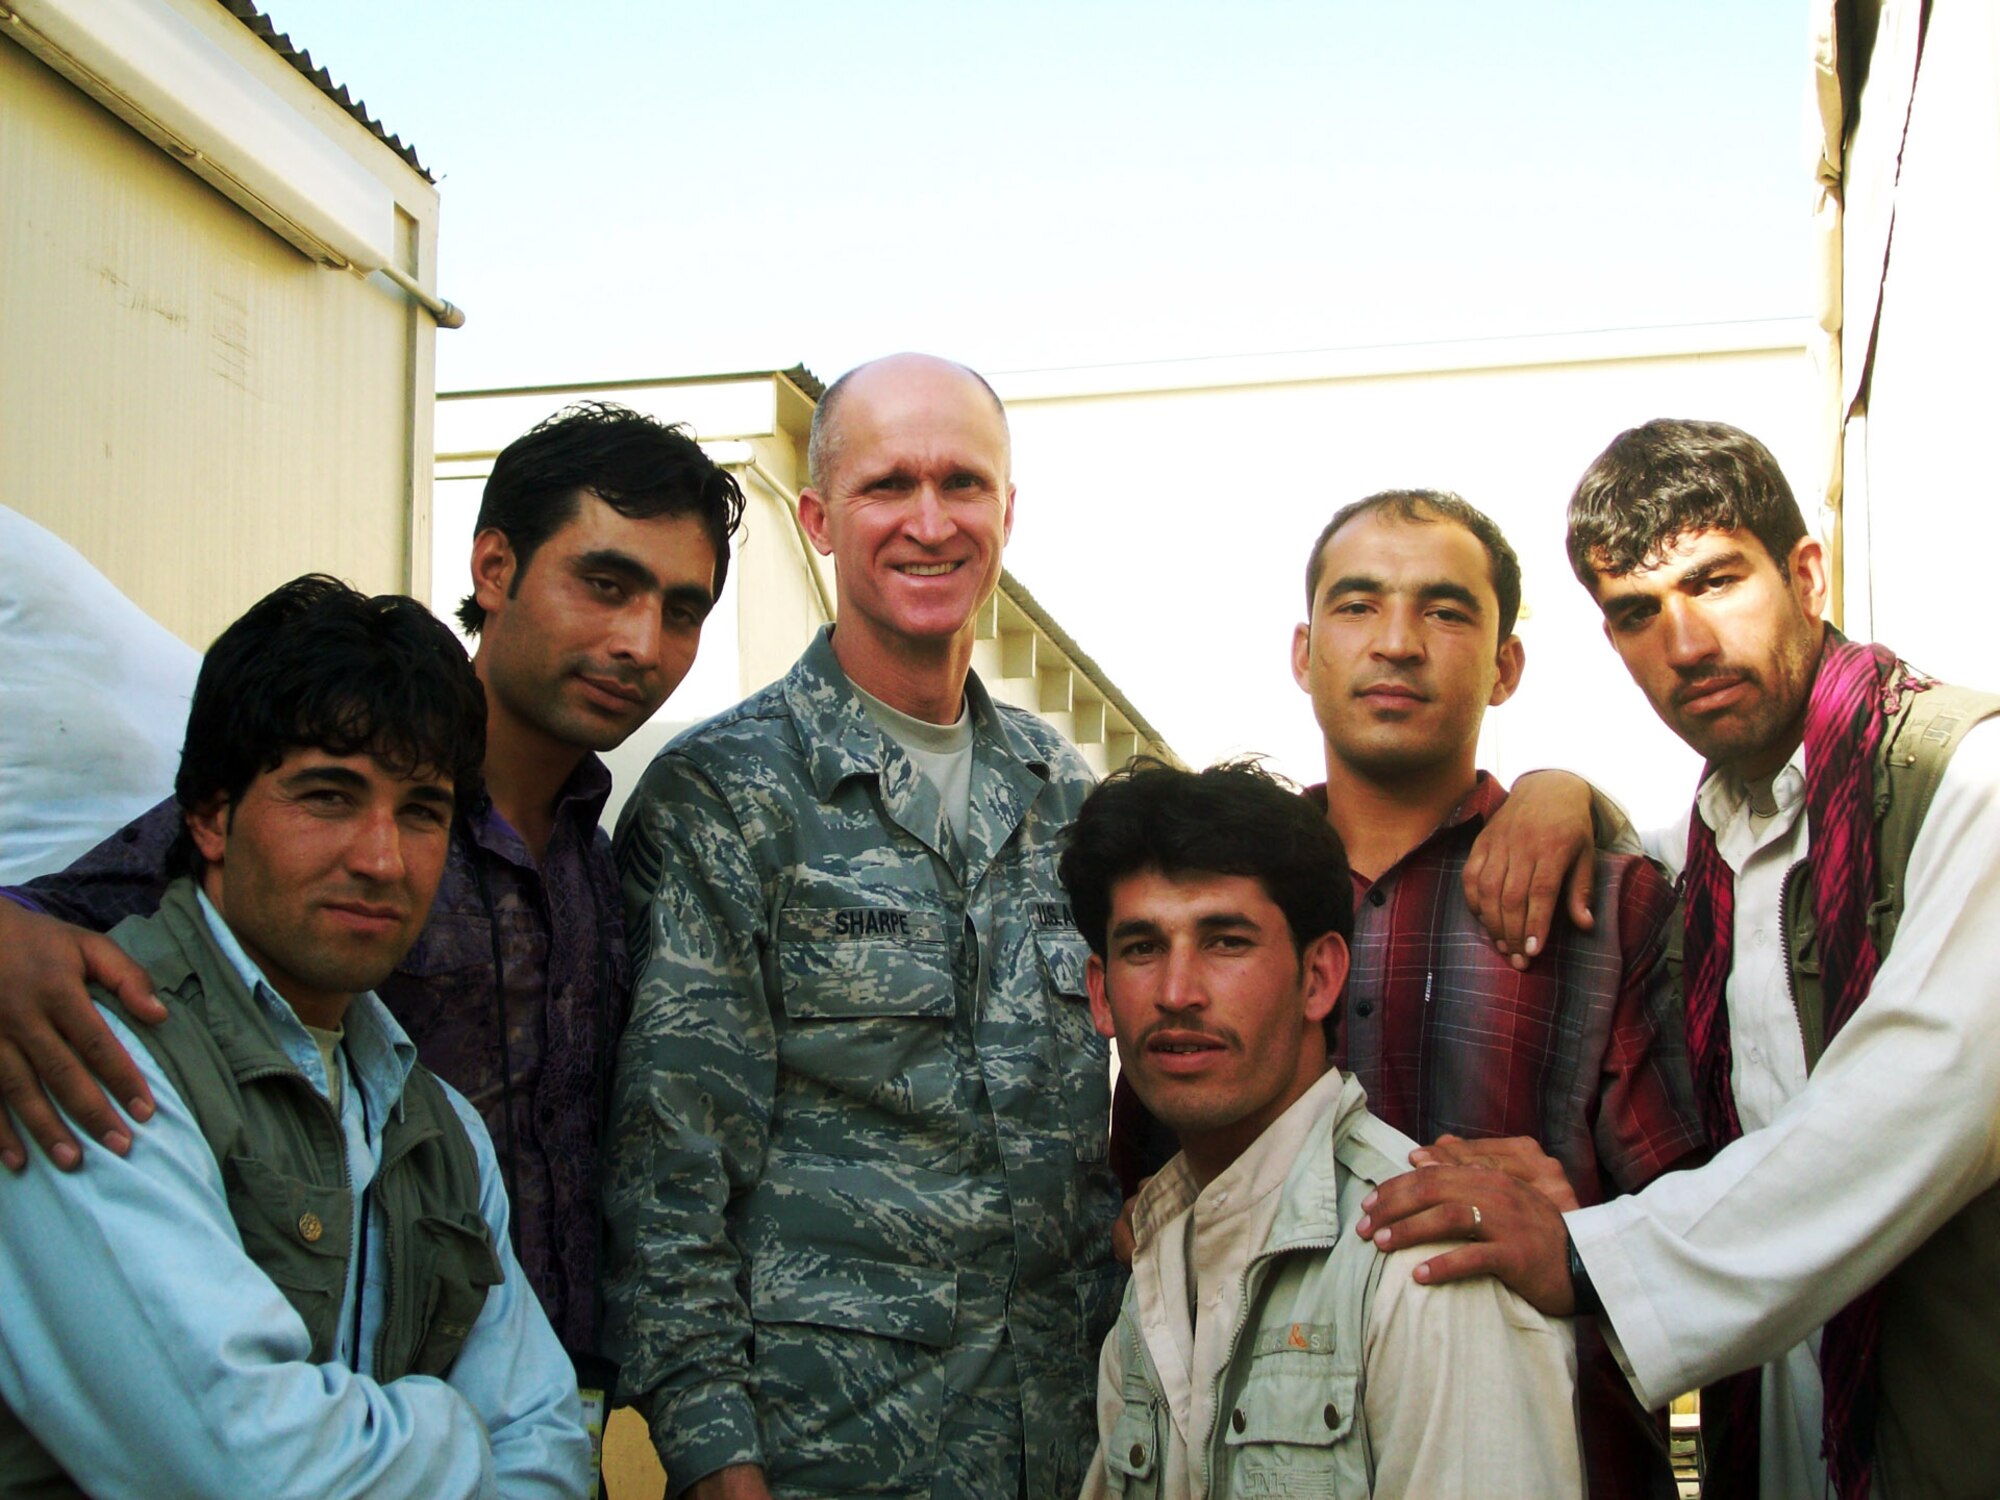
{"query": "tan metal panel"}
{"type": "Point", "coordinates": [195, 405]}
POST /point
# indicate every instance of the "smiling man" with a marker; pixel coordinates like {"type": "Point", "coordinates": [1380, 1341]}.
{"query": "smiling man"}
{"type": "Point", "coordinates": [1263, 1350]}
{"type": "Point", "coordinates": [859, 1202]}
{"type": "Point", "coordinates": [602, 543]}
{"type": "Point", "coordinates": [299, 1280]}
{"type": "Point", "coordinates": [1841, 869]}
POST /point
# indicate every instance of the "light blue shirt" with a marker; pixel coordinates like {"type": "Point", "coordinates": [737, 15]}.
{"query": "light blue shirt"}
{"type": "Point", "coordinates": [149, 1354]}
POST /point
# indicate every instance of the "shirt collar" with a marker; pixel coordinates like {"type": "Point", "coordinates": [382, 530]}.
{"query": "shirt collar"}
{"type": "Point", "coordinates": [840, 739]}
{"type": "Point", "coordinates": [580, 800]}
{"type": "Point", "coordinates": [1723, 797]}
{"type": "Point", "coordinates": [1265, 1166]}
{"type": "Point", "coordinates": [1473, 809]}
{"type": "Point", "coordinates": [380, 1054]}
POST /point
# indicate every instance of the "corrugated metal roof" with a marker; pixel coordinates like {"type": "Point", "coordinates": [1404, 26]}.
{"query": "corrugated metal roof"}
{"type": "Point", "coordinates": [806, 381]}
{"type": "Point", "coordinates": [261, 27]}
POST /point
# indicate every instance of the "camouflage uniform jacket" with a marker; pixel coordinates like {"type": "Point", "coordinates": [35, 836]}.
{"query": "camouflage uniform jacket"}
{"type": "Point", "coordinates": [859, 1207]}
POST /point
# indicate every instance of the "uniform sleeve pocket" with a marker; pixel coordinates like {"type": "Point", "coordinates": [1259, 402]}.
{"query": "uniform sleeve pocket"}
{"type": "Point", "coordinates": [1084, 1056]}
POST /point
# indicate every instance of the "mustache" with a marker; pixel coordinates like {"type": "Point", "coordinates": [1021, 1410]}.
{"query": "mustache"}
{"type": "Point", "coordinates": [1695, 681]}
{"type": "Point", "coordinates": [1222, 1036]}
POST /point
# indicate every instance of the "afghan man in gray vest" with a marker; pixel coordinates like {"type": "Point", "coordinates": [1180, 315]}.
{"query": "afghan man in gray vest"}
{"type": "Point", "coordinates": [298, 1282]}
{"type": "Point", "coordinates": [1262, 1347]}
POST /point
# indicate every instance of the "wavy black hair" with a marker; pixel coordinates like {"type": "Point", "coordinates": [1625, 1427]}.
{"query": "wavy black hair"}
{"type": "Point", "coordinates": [640, 467]}
{"type": "Point", "coordinates": [1669, 479]}
{"type": "Point", "coordinates": [1232, 819]}
{"type": "Point", "coordinates": [317, 664]}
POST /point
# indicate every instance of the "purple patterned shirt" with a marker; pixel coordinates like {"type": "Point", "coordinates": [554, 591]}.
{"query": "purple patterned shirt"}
{"type": "Point", "coordinates": [562, 948]}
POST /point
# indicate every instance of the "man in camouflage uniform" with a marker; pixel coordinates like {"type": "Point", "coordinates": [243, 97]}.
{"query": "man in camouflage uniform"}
{"type": "Point", "coordinates": [860, 1212]}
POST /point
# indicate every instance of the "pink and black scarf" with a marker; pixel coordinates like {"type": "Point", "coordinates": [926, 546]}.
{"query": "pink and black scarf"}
{"type": "Point", "coordinates": [1857, 690]}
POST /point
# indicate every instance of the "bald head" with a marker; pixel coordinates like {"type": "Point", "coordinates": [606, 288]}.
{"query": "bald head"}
{"type": "Point", "coordinates": [891, 375]}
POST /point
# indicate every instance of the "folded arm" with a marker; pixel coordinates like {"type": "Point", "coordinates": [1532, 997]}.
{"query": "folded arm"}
{"type": "Point", "coordinates": [150, 1355]}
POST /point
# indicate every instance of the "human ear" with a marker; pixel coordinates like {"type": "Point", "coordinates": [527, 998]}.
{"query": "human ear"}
{"type": "Point", "coordinates": [209, 828]}
{"type": "Point", "coordinates": [1100, 1004]}
{"type": "Point", "coordinates": [1811, 578]}
{"type": "Point", "coordinates": [813, 518]}
{"type": "Point", "coordinates": [1325, 963]}
{"type": "Point", "coordinates": [493, 569]}
{"type": "Point", "coordinates": [1510, 660]}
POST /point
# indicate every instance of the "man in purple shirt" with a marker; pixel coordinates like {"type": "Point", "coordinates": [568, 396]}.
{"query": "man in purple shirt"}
{"type": "Point", "coordinates": [602, 543]}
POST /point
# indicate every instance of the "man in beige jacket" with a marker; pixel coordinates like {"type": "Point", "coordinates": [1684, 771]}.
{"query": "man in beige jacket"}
{"type": "Point", "coordinates": [1261, 1349]}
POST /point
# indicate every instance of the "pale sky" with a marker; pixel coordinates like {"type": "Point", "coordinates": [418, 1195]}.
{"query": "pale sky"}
{"type": "Point", "coordinates": [638, 189]}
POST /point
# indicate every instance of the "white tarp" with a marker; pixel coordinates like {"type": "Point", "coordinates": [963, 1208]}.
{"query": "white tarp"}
{"type": "Point", "coordinates": [93, 702]}
{"type": "Point", "coordinates": [1919, 321]}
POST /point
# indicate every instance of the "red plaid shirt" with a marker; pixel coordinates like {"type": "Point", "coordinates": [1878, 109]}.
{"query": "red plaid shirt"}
{"type": "Point", "coordinates": [1584, 1051]}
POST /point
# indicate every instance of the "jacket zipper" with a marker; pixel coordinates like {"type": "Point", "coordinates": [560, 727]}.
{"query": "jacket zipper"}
{"type": "Point", "coordinates": [1257, 1263]}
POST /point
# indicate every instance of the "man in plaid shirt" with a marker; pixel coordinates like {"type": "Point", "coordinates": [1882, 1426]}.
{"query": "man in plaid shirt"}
{"type": "Point", "coordinates": [1412, 598]}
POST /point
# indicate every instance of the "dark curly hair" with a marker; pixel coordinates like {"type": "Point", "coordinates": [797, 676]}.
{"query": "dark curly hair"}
{"type": "Point", "coordinates": [640, 467]}
{"type": "Point", "coordinates": [1232, 819]}
{"type": "Point", "coordinates": [315, 663]}
{"type": "Point", "coordinates": [1669, 479]}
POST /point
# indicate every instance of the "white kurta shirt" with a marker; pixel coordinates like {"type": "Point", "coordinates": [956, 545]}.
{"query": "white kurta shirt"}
{"type": "Point", "coordinates": [1835, 1180]}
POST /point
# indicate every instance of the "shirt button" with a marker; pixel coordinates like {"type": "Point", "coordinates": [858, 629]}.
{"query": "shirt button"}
{"type": "Point", "coordinates": [1332, 1415]}
{"type": "Point", "coordinates": [1238, 1420]}
{"type": "Point", "coordinates": [1364, 1008]}
{"type": "Point", "coordinates": [1138, 1456]}
{"type": "Point", "coordinates": [1376, 896]}
{"type": "Point", "coordinates": [310, 1228]}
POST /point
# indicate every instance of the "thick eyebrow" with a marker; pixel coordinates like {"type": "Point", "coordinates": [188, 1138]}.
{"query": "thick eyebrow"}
{"type": "Point", "coordinates": [1222, 921]}
{"type": "Point", "coordinates": [642, 578]}
{"type": "Point", "coordinates": [624, 564]}
{"type": "Point", "coordinates": [345, 778]}
{"type": "Point", "coordinates": [1708, 567]}
{"type": "Point", "coordinates": [350, 780]}
{"type": "Point", "coordinates": [1438, 588]}
{"type": "Point", "coordinates": [431, 792]}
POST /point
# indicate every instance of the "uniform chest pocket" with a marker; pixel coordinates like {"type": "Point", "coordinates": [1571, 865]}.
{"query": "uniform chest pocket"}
{"type": "Point", "coordinates": [1286, 1431]}
{"type": "Point", "coordinates": [1082, 1055]}
{"type": "Point", "coordinates": [870, 1003]}
{"type": "Point", "coordinates": [856, 962]}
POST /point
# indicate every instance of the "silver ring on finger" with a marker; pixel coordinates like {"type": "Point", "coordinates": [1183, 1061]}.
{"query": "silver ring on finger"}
{"type": "Point", "coordinates": [1476, 1221]}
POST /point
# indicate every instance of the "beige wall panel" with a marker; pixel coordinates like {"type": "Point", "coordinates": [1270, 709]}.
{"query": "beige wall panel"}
{"type": "Point", "coordinates": [1134, 511]}
{"type": "Point", "coordinates": [200, 409]}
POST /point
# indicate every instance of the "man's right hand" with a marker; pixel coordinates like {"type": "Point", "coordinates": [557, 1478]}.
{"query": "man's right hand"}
{"type": "Point", "coordinates": [1536, 853]}
{"type": "Point", "coordinates": [737, 1482]}
{"type": "Point", "coordinates": [53, 1038]}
